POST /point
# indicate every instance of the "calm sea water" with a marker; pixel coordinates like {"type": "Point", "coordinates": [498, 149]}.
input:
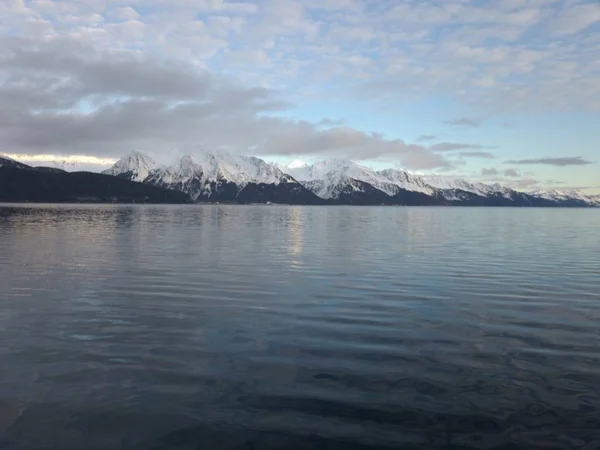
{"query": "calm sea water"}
{"type": "Point", "coordinates": [257, 327]}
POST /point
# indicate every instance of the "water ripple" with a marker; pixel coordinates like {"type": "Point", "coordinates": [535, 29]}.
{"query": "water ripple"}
{"type": "Point", "coordinates": [232, 327]}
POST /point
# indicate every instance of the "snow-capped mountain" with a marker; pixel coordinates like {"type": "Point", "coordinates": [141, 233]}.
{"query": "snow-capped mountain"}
{"type": "Point", "coordinates": [478, 188]}
{"type": "Point", "coordinates": [215, 176]}
{"type": "Point", "coordinates": [225, 177]}
{"type": "Point", "coordinates": [329, 176]}
{"type": "Point", "coordinates": [23, 183]}
{"type": "Point", "coordinates": [567, 196]}
{"type": "Point", "coordinates": [345, 181]}
{"type": "Point", "coordinates": [337, 179]}
{"type": "Point", "coordinates": [136, 166]}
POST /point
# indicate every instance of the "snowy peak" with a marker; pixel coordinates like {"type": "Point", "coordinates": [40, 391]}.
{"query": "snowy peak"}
{"type": "Point", "coordinates": [296, 164]}
{"type": "Point", "coordinates": [208, 166]}
{"type": "Point", "coordinates": [201, 173]}
{"type": "Point", "coordinates": [238, 169]}
{"type": "Point", "coordinates": [136, 166]}
{"type": "Point", "coordinates": [250, 169]}
{"type": "Point", "coordinates": [336, 168]}
{"type": "Point", "coordinates": [328, 175]}
{"type": "Point", "coordinates": [187, 167]}
{"type": "Point", "coordinates": [222, 176]}
{"type": "Point", "coordinates": [477, 188]}
{"type": "Point", "coordinates": [405, 180]}
{"type": "Point", "coordinates": [567, 195]}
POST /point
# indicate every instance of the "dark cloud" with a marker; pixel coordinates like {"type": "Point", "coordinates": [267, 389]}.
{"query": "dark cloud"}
{"type": "Point", "coordinates": [451, 146]}
{"type": "Point", "coordinates": [489, 172]}
{"type": "Point", "coordinates": [329, 123]}
{"type": "Point", "coordinates": [484, 155]}
{"type": "Point", "coordinates": [62, 96]}
{"type": "Point", "coordinates": [426, 137]}
{"type": "Point", "coordinates": [526, 183]}
{"type": "Point", "coordinates": [511, 173]}
{"type": "Point", "coordinates": [351, 143]}
{"type": "Point", "coordinates": [464, 122]}
{"type": "Point", "coordinates": [553, 182]}
{"type": "Point", "coordinates": [560, 161]}
{"type": "Point", "coordinates": [90, 72]}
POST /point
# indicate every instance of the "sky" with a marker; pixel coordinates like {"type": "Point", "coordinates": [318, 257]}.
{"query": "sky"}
{"type": "Point", "coordinates": [496, 91]}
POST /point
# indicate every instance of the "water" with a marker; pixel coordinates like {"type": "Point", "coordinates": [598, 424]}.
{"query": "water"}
{"type": "Point", "coordinates": [258, 327]}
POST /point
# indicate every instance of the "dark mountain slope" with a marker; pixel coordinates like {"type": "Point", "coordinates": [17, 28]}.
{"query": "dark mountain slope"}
{"type": "Point", "coordinates": [292, 193]}
{"type": "Point", "coordinates": [49, 169]}
{"type": "Point", "coordinates": [30, 185]}
{"type": "Point", "coordinates": [410, 198]}
{"type": "Point", "coordinates": [357, 192]}
{"type": "Point", "coordinates": [12, 164]}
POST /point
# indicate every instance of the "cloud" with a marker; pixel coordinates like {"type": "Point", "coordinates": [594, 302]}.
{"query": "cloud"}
{"type": "Point", "coordinates": [67, 162]}
{"type": "Point", "coordinates": [484, 155]}
{"type": "Point", "coordinates": [511, 173]}
{"type": "Point", "coordinates": [470, 52]}
{"type": "Point", "coordinates": [575, 18]}
{"type": "Point", "coordinates": [350, 143]}
{"type": "Point", "coordinates": [464, 122]}
{"type": "Point", "coordinates": [101, 76]}
{"type": "Point", "coordinates": [329, 122]}
{"type": "Point", "coordinates": [124, 13]}
{"type": "Point", "coordinates": [560, 161]}
{"type": "Point", "coordinates": [525, 183]}
{"type": "Point", "coordinates": [426, 137]}
{"type": "Point", "coordinates": [489, 172]}
{"type": "Point", "coordinates": [62, 96]}
{"type": "Point", "coordinates": [451, 146]}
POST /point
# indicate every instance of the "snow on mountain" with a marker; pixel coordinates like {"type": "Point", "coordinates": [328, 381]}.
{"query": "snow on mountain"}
{"type": "Point", "coordinates": [326, 178]}
{"type": "Point", "coordinates": [208, 166]}
{"type": "Point", "coordinates": [296, 164]}
{"type": "Point", "coordinates": [406, 181]}
{"type": "Point", "coordinates": [250, 169]}
{"type": "Point", "coordinates": [475, 187]}
{"type": "Point", "coordinates": [331, 188]}
{"type": "Point", "coordinates": [185, 175]}
{"type": "Point", "coordinates": [567, 195]}
{"type": "Point", "coordinates": [222, 176]}
{"type": "Point", "coordinates": [201, 174]}
{"type": "Point", "coordinates": [136, 166]}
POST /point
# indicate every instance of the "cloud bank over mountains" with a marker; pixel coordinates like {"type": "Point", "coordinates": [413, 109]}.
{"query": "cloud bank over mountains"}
{"type": "Point", "coordinates": [99, 77]}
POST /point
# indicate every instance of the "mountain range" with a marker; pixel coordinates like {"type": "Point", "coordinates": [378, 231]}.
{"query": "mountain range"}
{"type": "Point", "coordinates": [23, 183]}
{"type": "Point", "coordinates": [225, 177]}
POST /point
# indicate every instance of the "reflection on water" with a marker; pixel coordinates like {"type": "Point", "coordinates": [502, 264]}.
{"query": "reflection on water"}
{"type": "Point", "coordinates": [234, 327]}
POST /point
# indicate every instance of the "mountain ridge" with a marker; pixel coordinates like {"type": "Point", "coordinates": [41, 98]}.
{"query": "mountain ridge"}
{"type": "Point", "coordinates": [218, 177]}
{"type": "Point", "coordinates": [28, 184]}
{"type": "Point", "coordinates": [222, 176]}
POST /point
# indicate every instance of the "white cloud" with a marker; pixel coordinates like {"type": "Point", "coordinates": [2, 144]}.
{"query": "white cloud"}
{"type": "Point", "coordinates": [124, 13]}
{"type": "Point", "coordinates": [576, 18]}
{"type": "Point", "coordinates": [507, 56]}
{"type": "Point", "coordinates": [101, 103]}
{"type": "Point", "coordinates": [414, 46]}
